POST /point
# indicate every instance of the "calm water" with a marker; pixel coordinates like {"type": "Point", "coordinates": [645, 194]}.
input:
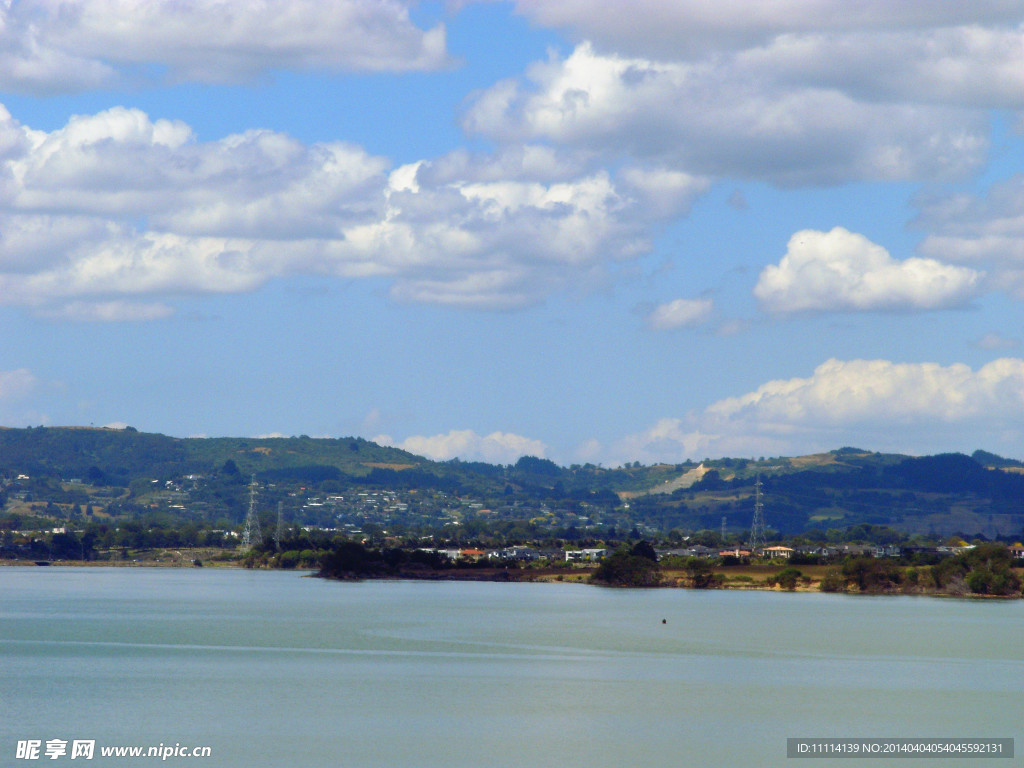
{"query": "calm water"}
{"type": "Point", "coordinates": [274, 670]}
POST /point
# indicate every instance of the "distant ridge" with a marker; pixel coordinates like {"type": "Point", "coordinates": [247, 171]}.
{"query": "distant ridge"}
{"type": "Point", "coordinates": [982, 493]}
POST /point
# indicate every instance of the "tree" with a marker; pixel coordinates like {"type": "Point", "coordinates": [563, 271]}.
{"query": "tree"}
{"type": "Point", "coordinates": [787, 578]}
{"type": "Point", "coordinates": [700, 574]}
{"type": "Point", "coordinates": [623, 568]}
{"type": "Point", "coordinates": [872, 575]}
{"type": "Point", "coordinates": [833, 581]}
{"type": "Point", "coordinates": [644, 549]}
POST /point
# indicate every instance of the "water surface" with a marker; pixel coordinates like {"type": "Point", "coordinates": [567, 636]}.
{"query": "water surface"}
{"type": "Point", "coordinates": [271, 670]}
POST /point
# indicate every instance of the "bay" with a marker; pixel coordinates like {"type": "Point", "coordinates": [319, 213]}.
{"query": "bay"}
{"type": "Point", "coordinates": [268, 668]}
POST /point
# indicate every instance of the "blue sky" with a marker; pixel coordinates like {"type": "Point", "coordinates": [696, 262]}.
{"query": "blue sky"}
{"type": "Point", "coordinates": [595, 232]}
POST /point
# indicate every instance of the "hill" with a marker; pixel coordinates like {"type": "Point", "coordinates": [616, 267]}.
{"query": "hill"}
{"type": "Point", "coordinates": [67, 471]}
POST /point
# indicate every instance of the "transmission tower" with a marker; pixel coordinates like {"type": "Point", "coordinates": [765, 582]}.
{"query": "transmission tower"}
{"type": "Point", "coordinates": [251, 536]}
{"type": "Point", "coordinates": [280, 527]}
{"type": "Point", "coordinates": [757, 526]}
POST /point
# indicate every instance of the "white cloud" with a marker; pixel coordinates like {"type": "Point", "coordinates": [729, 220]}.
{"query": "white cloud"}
{"type": "Point", "coordinates": [690, 28]}
{"type": "Point", "coordinates": [495, 448]}
{"type": "Point", "coordinates": [81, 44]}
{"type": "Point", "coordinates": [680, 313]}
{"type": "Point", "coordinates": [842, 392]}
{"type": "Point", "coordinates": [912, 407]}
{"type": "Point", "coordinates": [117, 205]}
{"type": "Point", "coordinates": [795, 92]}
{"type": "Point", "coordinates": [844, 271]}
{"type": "Point", "coordinates": [986, 231]}
{"type": "Point", "coordinates": [744, 115]}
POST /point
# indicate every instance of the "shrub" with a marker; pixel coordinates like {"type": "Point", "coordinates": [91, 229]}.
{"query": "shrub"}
{"type": "Point", "coordinates": [787, 578]}
{"type": "Point", "coordinates": [833, 581]}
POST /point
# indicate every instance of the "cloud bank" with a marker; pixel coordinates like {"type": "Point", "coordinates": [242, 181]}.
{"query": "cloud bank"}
{"type": "Point", "coordinates": [495, 448]}
{"type": "Point", "coordinates": [877, 403]}
{"type": "Point", "coordinates": [76, 45]}
{"type": "Point", "coordinates": [115, 214]}
{"type": "Point", "coordinates": [975, 230]}
{"type": "Point", "coordinates": [763, 114]}
{"type": "Point", "coordinates": [115, 207]}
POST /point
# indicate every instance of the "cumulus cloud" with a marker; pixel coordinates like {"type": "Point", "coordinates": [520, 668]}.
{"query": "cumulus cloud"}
{"type": "Point", "coordinates": [887, 405]}
{"type": "Point", "coordinates": [116, 205]}
{"type": "Point", "coordinates": [679, 313]}
{"type": "Point", "coordinates": [80, 44]}
{"type": "Point", "coordinates": [495, 448]}
{"type": "Point", "coordinates": [694, 27]}
{"type": "Point", "coordinates": [974, 230]}
{"type": "Point", "coordinates": [844, 271]}
{"type": "Point", "coordinates": [801, 92]}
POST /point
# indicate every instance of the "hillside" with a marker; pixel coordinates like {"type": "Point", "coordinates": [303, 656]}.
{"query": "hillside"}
{"type": "Point", "coordinates": [66, 471]}
{"type": "Point", "coordinates": [123, 455]}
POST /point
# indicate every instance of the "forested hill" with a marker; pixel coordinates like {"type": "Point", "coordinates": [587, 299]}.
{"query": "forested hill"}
{"type": "Point", "coordinates": [119, 456]}
{"type": "Point", "coordinates": [208, 477]}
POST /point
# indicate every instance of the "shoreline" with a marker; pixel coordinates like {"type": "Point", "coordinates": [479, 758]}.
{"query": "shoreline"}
{"type": "Point", "coordinates": [671, 579]}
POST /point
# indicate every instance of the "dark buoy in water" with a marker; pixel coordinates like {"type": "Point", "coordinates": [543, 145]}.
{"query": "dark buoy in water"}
{"type": "Point", "coordinates": [664, 621]}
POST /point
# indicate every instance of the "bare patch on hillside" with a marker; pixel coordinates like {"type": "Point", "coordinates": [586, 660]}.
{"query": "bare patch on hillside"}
{"type": "Point", "coordinates": [385, 465]}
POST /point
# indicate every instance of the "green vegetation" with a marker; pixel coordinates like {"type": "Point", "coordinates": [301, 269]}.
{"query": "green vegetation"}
{"type": "Point", "coordinates": [787, 578]}
{"type": "Point", "coordinates": [700, 574]}
{"type": "Point", "coordinates": [349, 560]}
{"type": "Point", "coordinates": [76, 473]}
{"type": "Point", "coordinates": [635, 566]}
{"type": "Point", "coordinates": [875, 520]}
{"type": "Point", "coordinates": [985, 569]}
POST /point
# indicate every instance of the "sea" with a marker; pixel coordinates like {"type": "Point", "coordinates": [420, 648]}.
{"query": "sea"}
{"type": "Point", "coordinates": [274, 669]}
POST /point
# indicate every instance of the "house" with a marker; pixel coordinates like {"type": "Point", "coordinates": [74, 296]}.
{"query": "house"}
{"type": "Point", "coordinates": [783, 552]}
{"type": "Point", "coordinates": [523, 554]}
{"type": "Point", "coordinates": [890, 550]}
{"type": "Point", "coordinates": [856, 550]}
{"type": "Point", "coordinates": [955, 549]}
{"type": "Point", "coordinates": [817, 551]}
{"type": "Point", "coordinates": [451, 554]}
{"type": "Point", "coordinates": [737, 552]}
{"type": "Point", "coordinates": [699, 550]}
{"type": "Point", "coordinates": [581, 555]}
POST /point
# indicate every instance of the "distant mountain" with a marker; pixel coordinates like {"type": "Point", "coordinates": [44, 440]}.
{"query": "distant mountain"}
{"type": "Point", "coordinates": [947, 493]}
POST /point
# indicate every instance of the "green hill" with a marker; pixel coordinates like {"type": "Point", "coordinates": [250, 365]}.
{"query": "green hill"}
{"type": "Point", "coordinates": [328, 482]}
